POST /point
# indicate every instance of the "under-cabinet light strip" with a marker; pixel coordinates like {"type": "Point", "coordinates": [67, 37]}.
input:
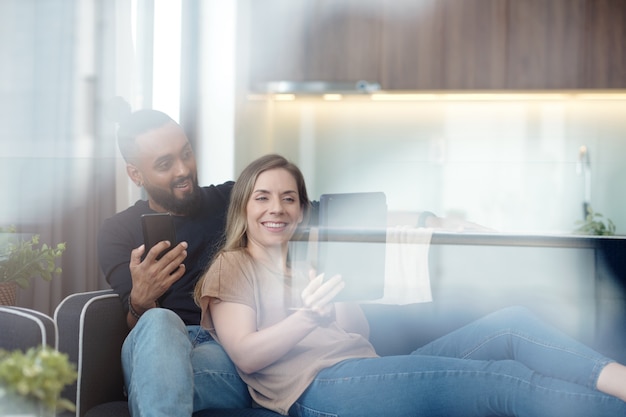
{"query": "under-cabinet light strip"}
{"type": "Point", "coordinates": [451, 96]}
{"type": "Point", "coordinates": [332, 97]}
{"type": "Point", "coordinates": [284, 97]}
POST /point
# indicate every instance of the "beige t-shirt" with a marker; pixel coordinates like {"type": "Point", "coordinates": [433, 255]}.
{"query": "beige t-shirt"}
{"type": "Point", "coordinates": [235, 277]}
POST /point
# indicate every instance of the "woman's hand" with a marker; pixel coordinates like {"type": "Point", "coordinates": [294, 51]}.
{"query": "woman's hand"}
{"type": "Point", "coordinates": [318, 296]}
{"type": "Point", "coordinates": [236, 325]}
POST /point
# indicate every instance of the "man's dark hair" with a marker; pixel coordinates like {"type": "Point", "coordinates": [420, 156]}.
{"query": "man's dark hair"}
{"type": "Point", "coordinates": [135, 124]}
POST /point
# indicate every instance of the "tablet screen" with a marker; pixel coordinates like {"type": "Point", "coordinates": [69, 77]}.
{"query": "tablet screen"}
{"type": "Point", "coordinates": [352, 237]}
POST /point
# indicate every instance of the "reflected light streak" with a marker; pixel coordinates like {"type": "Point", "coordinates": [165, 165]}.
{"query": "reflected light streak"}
{"type": "Point", "coordinates": [166, 67]}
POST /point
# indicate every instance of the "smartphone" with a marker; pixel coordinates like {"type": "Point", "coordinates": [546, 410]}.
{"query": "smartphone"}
{"type": "Point", "coordinates": [156, 228]}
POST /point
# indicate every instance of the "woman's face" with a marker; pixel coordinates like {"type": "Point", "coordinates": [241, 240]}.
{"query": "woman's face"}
{"type": "Point", "coordinates": [273, 210]}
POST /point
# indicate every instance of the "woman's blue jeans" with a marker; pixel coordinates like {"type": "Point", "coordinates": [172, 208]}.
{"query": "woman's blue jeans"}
{"type": "Point", "coordinates": [173, 370]}
{"type": "Point", "coordinates": [508, 363]}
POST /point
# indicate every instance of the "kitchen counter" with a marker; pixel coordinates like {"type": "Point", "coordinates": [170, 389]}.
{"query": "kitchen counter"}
{"type": "Point", "coordinates": [506, 239]}
{"type": "Point", "coordinates": [490, 239]}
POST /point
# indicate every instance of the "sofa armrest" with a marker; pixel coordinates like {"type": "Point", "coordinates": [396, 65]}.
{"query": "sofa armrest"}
{"type": "Point", "coordinates": [91, 330]}
{"type": "Point", "coordinates": [23, 328]}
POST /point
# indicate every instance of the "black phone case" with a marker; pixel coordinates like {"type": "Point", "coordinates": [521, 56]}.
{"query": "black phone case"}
{"type": "Point", "coordinates": [158, 227]}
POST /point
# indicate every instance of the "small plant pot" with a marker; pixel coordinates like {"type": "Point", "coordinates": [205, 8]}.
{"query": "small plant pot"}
{"type": "Point", "coordinates": [14, 405]}
{"type": "Point", "coordinates": [8, 293]}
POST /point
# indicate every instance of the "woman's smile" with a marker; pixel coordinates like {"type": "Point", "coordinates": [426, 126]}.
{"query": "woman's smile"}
{"type": "Point", "coordinates": [274, 226]}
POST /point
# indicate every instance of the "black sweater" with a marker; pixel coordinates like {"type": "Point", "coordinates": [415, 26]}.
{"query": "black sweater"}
{"type": "Point", "coordinates": [203, 232]}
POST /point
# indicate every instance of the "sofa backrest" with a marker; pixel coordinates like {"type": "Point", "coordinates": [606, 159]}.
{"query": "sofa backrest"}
{"type": "Point", "coordinates": [92, 328]}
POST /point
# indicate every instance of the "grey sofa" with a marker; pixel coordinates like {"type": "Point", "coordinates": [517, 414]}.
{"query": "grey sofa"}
{"type": "Point", "coordinates": [21, 329]}
{"type": "Point", "coordinates": [92, 328]}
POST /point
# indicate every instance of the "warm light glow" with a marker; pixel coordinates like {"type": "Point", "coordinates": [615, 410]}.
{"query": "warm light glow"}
{"type": "Point", "coordinates": [403, 97]}
{"type": "Point", "coordinates": [607, 96]}
{"type": "Point", "coordinates": [447, 95]}
{"type": "Point", "coordinates": [504, 96]}
{"type": "Point", "coordinates": [257, 97]}
{"type": "Point", "coordinates": [284, 97]}
{"type": "Point", "coordinates": [333, 97]}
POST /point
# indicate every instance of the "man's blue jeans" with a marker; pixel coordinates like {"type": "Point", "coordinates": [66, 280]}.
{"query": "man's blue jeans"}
{"type": "Point", "coordinates": [508, 363]}
{"type": "Point", "coordinates": [173, 370]}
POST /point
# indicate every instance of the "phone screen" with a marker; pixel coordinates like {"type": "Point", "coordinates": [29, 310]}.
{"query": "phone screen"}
{"type": "Point", "coordinates": [156, 228]}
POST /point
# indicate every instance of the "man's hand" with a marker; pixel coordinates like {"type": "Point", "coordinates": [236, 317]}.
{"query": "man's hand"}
{"type": "Point", "coordinates": [152, 277]}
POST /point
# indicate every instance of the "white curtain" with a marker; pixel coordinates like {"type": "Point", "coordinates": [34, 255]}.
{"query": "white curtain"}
{"type": "Point", "coordinates": [59, 68]}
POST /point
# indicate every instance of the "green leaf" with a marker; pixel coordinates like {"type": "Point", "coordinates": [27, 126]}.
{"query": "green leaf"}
{"type": "Point", "coordinates": [594, 224]}
{"type": "Point", "coordinates": [39, 374]}
{"type": "Point", "coordinates": [23, 259]}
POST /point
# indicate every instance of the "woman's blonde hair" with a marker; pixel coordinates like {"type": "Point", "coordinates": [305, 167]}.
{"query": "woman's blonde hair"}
{"type": "Point", "coordinates": [236, 218]}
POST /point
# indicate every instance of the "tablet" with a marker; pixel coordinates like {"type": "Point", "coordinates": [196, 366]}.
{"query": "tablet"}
{"type": "Point", "coordinates": [352, 240]}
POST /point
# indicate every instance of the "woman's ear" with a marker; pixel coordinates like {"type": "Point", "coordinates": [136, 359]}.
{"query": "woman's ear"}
{"type": "Point", "coordinates": [134, 174]}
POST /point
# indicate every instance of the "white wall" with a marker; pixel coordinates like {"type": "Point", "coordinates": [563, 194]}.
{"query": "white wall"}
{"type": "Point", "coordinates": [510, 165]}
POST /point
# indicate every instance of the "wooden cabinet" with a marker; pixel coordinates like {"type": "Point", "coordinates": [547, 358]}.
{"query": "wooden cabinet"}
{"type": "Point", "coordinates": [412, 45]}
{"type": "Point", "coordinates": [604, 44]}
{"type": "Point", "coordinates": [322, 40]}
{"type": "Point", "coordinates": [475, 44]}
{"type": "Point", "coordinates": [277, 39]}
{"type": "Point", "coordinates": [441, 44]}
{"type": "Point", "coordinates": [544, 44]}
{"type": "Point", "coordinates": [444, 44]}
{"type": "Point", "coordinates": [345, 40]}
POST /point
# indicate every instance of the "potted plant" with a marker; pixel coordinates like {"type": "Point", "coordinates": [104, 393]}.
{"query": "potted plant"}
{"type": "Point", "coordinates": [31, 382]}
{"type": "Point", "coordinates": [595, 224]}
{"type": "Point", "coordinates": [23, 259]}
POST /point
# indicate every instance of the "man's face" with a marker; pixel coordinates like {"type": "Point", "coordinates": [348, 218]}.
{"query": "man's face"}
{"type": "Point", "coordinates": [166, 167]}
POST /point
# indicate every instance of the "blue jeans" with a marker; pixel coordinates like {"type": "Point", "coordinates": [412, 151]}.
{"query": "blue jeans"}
{"type": "Point", "coordinates": [508, 363]}
{"type": "Point", "coordinates": [173, 370]}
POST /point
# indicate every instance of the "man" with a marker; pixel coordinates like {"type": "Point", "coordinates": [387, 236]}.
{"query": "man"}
{"type": "Point", "coordinates": [172, 367]}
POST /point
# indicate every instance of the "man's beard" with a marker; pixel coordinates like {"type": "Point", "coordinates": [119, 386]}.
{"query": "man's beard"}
{"type": "Point", "coordinates": [180, 206]}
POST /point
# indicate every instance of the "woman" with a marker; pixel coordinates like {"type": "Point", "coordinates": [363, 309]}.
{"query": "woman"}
{"type": "Point", "coordinates": [307, 356]}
